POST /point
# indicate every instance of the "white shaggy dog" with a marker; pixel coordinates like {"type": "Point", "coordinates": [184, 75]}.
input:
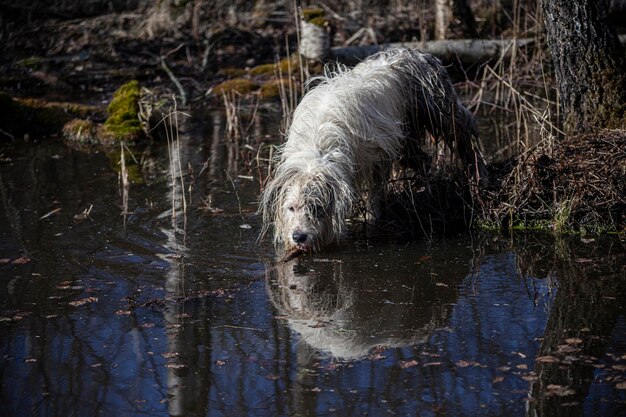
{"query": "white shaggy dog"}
{"type": "Point", "coordinates": [345, 134]}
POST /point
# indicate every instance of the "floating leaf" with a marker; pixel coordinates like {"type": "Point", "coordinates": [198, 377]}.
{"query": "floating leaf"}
{"type": "Point", "coordinates": [559, 390]}
{"type": "Point", "coordinates": [83, 301]}
{"type": "Point", "coordinates": [547, 359]}
{"type": "Point", "coordinates": [21, 261]}
{"type": "Point", "coordinates": [408, 364]}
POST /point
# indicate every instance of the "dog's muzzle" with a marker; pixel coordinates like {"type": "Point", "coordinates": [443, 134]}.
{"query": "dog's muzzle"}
{"type": "Point", "coordinates": [300, 239]}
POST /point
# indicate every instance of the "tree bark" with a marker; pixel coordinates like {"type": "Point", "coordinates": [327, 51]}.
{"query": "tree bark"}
{"type": "Point", "coordinates": [457, 13]}
{"type": "Point", "coordinates": [589, 64]}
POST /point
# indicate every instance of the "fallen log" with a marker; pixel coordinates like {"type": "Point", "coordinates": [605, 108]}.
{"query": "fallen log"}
{"type": "Point", "coordinates": [454, 50]}
{"type": "Point", "coordinates": [466, 51]}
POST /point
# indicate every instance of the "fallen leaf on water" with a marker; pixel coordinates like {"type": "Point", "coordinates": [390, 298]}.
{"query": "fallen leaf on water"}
{"type": "Point", "coordinates": [547, 359]}
{"type": "Point", "coordinates": [464, 364]}
{"type": "Point", "coordinates": [21, 261]}
{"type": "Point", "coordinates": [433, 364]}
{"type": "Point", "coordinates": [621, 385]}
{"type": "Point", "coordinates": [573, 341]}
{"type": "Point", "coordinates": [376, 357]}
{"type": "Point", "coordinates": [497, 379]}
{"type": "Point", "coordinates": [559, 390]}
{"type": "Point", "coordinates": [522, 366]}
{"type": "Point", "coordinates": [621, 368]}
{"type": "Point", "coordinates": [123, 312]}
{"type": "Point", "coordinates": [168, 355]}
{"type": "Point", "coordinates": [83, 301]}
{"type": "Point", "coordinates": [567, 348]}
{"type": "Point", "coordinates": [175, 365]}
{"type": "Point", "coordinates": [30, 360]}
{"type": "Point", "coordinates": [220, 362]}
{"type": "Point", "coordinates": [408, 364]}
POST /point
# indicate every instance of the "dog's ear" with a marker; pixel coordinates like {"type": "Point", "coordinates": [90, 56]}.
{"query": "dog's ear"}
{"type": "Point", "coordinates": [273, 195]}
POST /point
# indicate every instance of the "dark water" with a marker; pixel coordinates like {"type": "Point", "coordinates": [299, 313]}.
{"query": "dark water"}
{"type": "Point", "coordinates": [158, 313]}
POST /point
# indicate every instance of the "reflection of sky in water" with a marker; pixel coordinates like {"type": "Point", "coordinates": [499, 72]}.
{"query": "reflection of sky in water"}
{"type": "Point", "coordinates": [240, 360]}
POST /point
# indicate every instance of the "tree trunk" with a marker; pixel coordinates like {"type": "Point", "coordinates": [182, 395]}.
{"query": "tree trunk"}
{"type": "Point", "coordinates": [589, 64]}
{"type": "Point", "coordinates": [457, 14]}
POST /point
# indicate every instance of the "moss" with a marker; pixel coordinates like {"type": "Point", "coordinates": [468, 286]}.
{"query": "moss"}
{"type": "Point", "coordinates": [81, 131]}
{"type": "Point", "coordinates": [308, 15]}
{"type": "Point", "coordinates": [289, 65]}
{"type": "Point", "coordinates": [123, 122]}
{"type": "Point", "coordinates": [263, 69]}
{"type": "Point", "coordinates": [272, 88]}
{"type": "Point", "coordinates": [238, 85]}
{"type": "Point", "coordinates": [319, 21]}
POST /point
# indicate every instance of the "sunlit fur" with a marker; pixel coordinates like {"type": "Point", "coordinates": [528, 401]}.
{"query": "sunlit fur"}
{"type": "Point", "coordinates": [346, 132]}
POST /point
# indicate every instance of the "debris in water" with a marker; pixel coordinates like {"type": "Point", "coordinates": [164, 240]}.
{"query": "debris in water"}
{"type": "Point", "coordinates": [87, 300]}
{"type": "Point", "coordinates": [294, 253]}
{"type": "Point", "coordinates": [50, 213]}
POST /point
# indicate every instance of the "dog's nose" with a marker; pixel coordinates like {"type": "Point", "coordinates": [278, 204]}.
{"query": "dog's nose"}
{"type": "Point", "coordinates": [298, 237]}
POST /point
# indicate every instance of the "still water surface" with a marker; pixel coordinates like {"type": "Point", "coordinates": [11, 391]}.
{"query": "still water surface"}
{"type": "Point", "coordinates": [151, 314]}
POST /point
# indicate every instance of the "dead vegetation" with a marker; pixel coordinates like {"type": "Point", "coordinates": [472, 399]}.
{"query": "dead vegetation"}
{"type": "Point", "coordinates": [576, 184]}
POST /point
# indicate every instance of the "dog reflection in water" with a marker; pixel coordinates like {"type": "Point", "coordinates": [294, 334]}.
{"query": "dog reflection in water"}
{"type": "Point", "coordinates": [344, 316]}
{"type": "Point", "coordinates": [347, 132]}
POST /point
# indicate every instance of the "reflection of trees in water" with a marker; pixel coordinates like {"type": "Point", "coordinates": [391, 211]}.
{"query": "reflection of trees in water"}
{"type": "Point", "coordinates": [591, 293]}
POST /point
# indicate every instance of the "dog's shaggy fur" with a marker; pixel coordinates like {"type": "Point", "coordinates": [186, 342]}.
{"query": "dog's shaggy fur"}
{"type": "Point", "coordinates": [345, 134]}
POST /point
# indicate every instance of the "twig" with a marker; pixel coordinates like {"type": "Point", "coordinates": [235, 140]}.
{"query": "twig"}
{"type": "Point", "coordinates": [181, 90]}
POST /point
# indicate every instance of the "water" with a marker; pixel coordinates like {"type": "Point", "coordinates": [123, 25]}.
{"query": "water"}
{"type": "Point", "coordinates": [158, 313]}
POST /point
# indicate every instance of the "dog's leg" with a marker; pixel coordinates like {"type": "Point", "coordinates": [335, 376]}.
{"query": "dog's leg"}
{"type": "Point", "coordinates": [376, 199]}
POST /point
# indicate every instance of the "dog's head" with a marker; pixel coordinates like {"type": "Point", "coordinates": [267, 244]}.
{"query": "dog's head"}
{"type": "Point", "coordinates": [307, 209]}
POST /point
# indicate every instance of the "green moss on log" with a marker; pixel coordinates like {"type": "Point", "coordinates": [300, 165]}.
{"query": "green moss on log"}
{"type": "Point", "coordinates": [273, 88]}
{"type": "Point", "coordinates": [237, 85]}
{"type": "Point", "coordinates": [82, 131]}
{"type": "Point", "coordinates": [123, 122]}
{"type": "Point", "coordinates": [313, 14]}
